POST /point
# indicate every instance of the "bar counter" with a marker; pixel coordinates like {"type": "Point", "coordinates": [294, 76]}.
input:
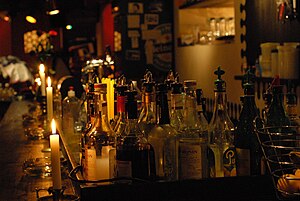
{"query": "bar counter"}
{"type": "Point", "coordinates": [15, 185]}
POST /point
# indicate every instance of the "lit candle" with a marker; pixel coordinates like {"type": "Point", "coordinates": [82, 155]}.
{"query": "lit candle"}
{"type": "Point", "coordinates": [49, 100]}
{"type": "Point", "coordinates": [43, 79]}
{"type": "Point", "coordinates": [55, 157]}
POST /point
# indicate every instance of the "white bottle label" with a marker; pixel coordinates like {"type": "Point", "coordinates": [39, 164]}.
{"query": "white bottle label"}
{"type": "Point", "coordinates": [243, 168]}
{"type": "Point", "coordinates": [90, 164]}
{"type": "Point", "coordinates": [190, 161]}
{"type": "Point", "coordinates": [124, 169]}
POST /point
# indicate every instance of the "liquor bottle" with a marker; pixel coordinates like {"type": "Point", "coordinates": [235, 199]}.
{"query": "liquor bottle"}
{"type": "Point", "coordinates": [120, 121]}
{"type": "Point", "coordinates": [192, 139]}
{"type": "Point", "coordinates": [277, 116]}
{"type": "Point", "coordinates": [133, 153]}
{"type": "Point", "coordinates": [169, 80]}
{"type": "Point", "coordinates": [221, 150]}
{"type": "Point", "coordinates": [201, 111]}
{"type": "Point", "coordinates": [245, 140]}
{"type": "Point", "coordinates": [177, 103]}
{"type": "Point", "coordinates": [100, 140]}
{"type": "Point", "coordinates": [70, 113]}
{"type": "Point", "coordinates": [147, 118]}
{"type": "Point", "coordinates": [163, 138]}
{"type": "Point", "coordinates": [291, 108]}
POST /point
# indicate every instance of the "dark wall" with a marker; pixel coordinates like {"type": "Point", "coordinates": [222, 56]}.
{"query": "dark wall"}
{"type": "Point", "coordinates": [263, 26]}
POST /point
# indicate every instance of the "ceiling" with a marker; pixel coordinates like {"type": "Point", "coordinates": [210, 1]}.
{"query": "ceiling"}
{"type": "Point", "coordinates": [72, 11]}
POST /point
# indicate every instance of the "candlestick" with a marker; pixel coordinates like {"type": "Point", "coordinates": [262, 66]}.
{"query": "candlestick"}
{"type": "Point", "coordinates": [49, 100]}
{"type": "Point", "coordinates": [55, 157]}
{"type": "Point", "coordinates": [43, 81]}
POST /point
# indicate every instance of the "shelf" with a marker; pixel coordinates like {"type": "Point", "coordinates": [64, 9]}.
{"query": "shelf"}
{"type": "Point", "coordinates": [208, 4]}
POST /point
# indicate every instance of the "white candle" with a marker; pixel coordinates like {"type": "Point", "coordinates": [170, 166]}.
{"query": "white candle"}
{"type": "Point", "coordinates": [55, 157]}
{"type": "Point", "coordinates": [49, 100]}
{"type": "Point", "coordinates": [43, 79]}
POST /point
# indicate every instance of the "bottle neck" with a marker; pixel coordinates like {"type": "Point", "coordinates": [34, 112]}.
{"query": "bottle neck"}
{"type": "Point", "coordinates": [220, 102]}
{"type": "Point", "coordinates": [131, 108]}
{"type": "Point", "coordinates": [162, 108]}
{"type": "Point", "coordinates": [176, 102]}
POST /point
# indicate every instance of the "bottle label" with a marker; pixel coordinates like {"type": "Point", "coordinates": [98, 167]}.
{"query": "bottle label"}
{"type": "Point", "coordinates": [229, 164]}
{"type": "Point", "coordinates": [190, 161]}
{"type": "Point", "coordinates": [121, 103]}
{"type": "Point", "coordinates": [89, 168]}
{"type": "Point", "coordinates": [124, 168]}
{"type": "Point", "coordinates": [243, 166]}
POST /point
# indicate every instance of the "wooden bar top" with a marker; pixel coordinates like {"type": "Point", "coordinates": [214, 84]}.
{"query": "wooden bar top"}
{"type": "Point", "coordinates": [15, 148]}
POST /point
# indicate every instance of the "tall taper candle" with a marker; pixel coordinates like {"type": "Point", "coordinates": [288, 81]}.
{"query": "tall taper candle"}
{"type": "Point", "coordinates": [43, 79]}
{"type": "Point", "coordinates": [49, 100]}
{"type": "Point", "coordinates": [55, 157]}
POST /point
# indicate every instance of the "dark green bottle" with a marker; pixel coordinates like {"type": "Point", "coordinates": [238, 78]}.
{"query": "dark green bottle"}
{"type": "Point", "coordinates": [245, 139]}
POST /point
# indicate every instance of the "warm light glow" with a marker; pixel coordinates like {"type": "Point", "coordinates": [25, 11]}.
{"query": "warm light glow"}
{"type": "Point", "coordinates": [116, 9]}
{"type": "Point", "coordinates": [53, 12]}
{"type": "Point", "coordinates": [53, 126]}
{"type": "Point", "coordinates": [49, 81]}
{"type": "Point", "coordinates": [6, 18]}
{"type": "Point", "coordinates": [69, 27]}
{"type": "Point", "coordinates": [30, 19]}
{"type": "Point", "coordinates": [42, 68]}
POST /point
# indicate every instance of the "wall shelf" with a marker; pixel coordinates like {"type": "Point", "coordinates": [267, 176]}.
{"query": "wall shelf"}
{"type": "Point", "coordinates": [207, 4]}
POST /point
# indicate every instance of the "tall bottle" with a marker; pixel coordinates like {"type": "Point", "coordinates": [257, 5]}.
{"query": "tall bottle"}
{"type": "Point", "coordinates": [163, 138]}
{"type": "Point", "coordinates": [133, 153]}
{"type": "Point", "coordinates": [177, 104]}
{"type": "Point", "coordinates": [221, 134]}
{"type": "Point", "coordinates": [200, 109]}
{"type": "Point", "coordinates": [291, 108]}
{"type": "Point", "coordinates": [100, 140]}
{"type": "Point", "coordinates": [147, 118]}
{"type": "Point", "coordinates": [120, 121]}
{"type": "Point", "coordinates": [71, 108]}
{"type": "Point", "coordinates": [192, 146]}
{"type": "Point", "coordinates": [245, 140]}
{"type": "Point", "coordinates": [277, 115]}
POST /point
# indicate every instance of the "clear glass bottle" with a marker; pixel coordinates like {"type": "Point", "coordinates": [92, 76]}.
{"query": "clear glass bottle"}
{"type": "Point", "coordinates": [221, 150]}
{"type": "Point", "coordinates": [245, 140]}
{"type": "Point", "coordinates": [134, 156]}
{"type": "Point", "coordinates": [147, 118]}
{"type": "Point", "coordinates": [100, 140]}
{"type": "Point", "coordinates": [163, 138]}
{"type": "Point", "coordinates": [70, 113]}
{"type": "Point", "coordinates": [291, 108]}
{"type": "Point", "coordinates": [120, 122]}
{"type": "Point", "coordinates": [177, 104]}
{"type": "Point", "coordinates": [192, 139]}
{"type": "Point", "coordinates": [200, 109]}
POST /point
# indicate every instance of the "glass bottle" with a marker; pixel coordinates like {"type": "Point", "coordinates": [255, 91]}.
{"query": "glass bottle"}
{"type": "Point", "coordinates": [201, 111]}
{"type": "Point", "coordinates": [57, 105]}
{"type": "Point", "coordinates": [120, 122]}
{"type": "Point", "coordinates": [277, 115]}
{"type": "Point", "coordinates": [100, 140]}
{"type": "Point", "coordinates": [70, 113]}
{"type": "Point", "coordinates": [163, 138]}
{"type": "Point", "coordinates": [192, 141]}
{"type": "Point", "coordinates": [147, 118]}
{"type": "Point", "coordinates": [291, 108]}
{"type": "Point", "coordinates": [221, 134]}
{"type": "Point", "coordinates": [133, 153]}
{"type": "Point", "coordinates": [177, 103]}
{"type": "Point", "coordinates": [245, 140]}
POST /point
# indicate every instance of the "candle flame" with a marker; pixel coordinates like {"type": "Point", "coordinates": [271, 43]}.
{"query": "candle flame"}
{"type": "Point", "coordinates": [42, 68]}
{"type": "Point", "coordinates": [53, 126]}
{"type": "Point", "coordinates": [49, 81]}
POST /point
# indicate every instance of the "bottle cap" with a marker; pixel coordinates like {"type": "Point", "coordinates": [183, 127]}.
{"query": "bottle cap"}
{"type": "Point", "coordinates": [220, 85]}
{"type": "Point", "coordinates": [71, 92]}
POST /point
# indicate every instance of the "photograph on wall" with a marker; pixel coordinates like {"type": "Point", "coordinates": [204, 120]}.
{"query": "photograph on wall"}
{"type": "Point", "coordinates": [135, 8]}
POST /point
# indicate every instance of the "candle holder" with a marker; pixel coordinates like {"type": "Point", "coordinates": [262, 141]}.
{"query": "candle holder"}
{"type": "Point", "coordinates": [56, 195]}
{"type": "Point", "coordinates": [43, 104]}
